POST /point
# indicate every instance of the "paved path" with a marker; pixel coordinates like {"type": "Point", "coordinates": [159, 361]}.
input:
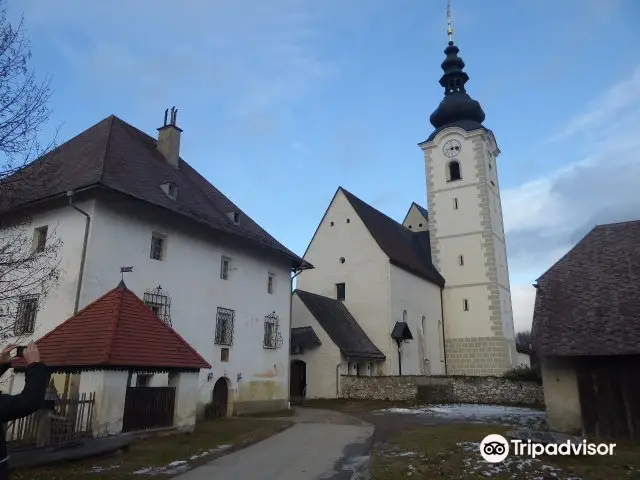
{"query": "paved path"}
{"type": "Point", "coordinates": [322, 445]}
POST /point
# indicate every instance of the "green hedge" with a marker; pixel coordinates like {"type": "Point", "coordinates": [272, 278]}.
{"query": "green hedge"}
{"type": "Point", "coordinates": [523, 373]}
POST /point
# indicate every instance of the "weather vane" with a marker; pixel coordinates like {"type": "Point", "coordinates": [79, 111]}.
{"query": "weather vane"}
{"type": "Point", "coordinates": [449, 21]}
{"type": "Point", "coordinates": [124, 270]}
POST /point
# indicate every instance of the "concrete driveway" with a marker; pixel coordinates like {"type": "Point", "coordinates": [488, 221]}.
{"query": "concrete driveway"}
{"type": "Point", "coordinates": [322, 445]}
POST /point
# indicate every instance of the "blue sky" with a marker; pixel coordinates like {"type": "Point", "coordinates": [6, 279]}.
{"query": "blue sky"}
{"type": "Point", "coordinates": [283, 101]}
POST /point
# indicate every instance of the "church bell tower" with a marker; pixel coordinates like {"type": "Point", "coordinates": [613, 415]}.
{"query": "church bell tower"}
{"type": "Point", "coordinates": [466, 228]}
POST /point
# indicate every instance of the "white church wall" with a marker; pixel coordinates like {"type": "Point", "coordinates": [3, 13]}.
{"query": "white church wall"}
{"type": "Point", "coordinates": [320, 362]}
{"type": "Point", "coordinates": [462, 258]}
{"type": "Point", "coordinates": [420, 299]}
{"type": "Point", "coordinates": [365, 271]}
{"type": "Point", "coordinates": [448, 219]}
{"type": "Point", "coordinates": [415, 221]}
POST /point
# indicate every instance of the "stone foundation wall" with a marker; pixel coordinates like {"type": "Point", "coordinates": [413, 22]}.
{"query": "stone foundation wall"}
{"type": "Point", "coordinates": [477, 356]}
{"type": "Point", "coordinates": [443, 389]}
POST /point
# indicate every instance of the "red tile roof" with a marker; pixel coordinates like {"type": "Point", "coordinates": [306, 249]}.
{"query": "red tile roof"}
{"type": "Point", "coordinates": [117, 330]}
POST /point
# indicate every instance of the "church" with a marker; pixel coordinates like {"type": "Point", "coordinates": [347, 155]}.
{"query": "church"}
{"type": "Point", "coordinates": [428, 296]}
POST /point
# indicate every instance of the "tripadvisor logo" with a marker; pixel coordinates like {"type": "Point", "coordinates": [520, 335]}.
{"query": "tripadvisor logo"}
{"type": "Point", "coordinates": [495, 448]}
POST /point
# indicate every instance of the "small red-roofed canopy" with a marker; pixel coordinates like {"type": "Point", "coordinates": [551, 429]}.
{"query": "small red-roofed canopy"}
{"type": "Point", "coordinates": [117, 331]}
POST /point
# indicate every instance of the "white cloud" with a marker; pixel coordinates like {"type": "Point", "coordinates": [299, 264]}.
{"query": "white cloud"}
{"type": "Point", "coordinates": [617, 101]}
{"type": "Point", "coordinates": [248, 56]}
{"type": "Point", "coordinates": [522, 300]}
{"type": "Point", "coordinates": [546, 217]}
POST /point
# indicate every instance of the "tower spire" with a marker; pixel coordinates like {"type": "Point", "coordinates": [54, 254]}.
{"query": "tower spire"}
{"type": "Point", "coordinates": [457, 107]}
{"type": "Point", "coordinates": [449, 21]}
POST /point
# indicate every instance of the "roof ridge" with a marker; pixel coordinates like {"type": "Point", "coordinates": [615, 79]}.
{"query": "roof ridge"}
{"type": "Point", "coordinates": [605, 226]}
{"type": "Point", "coordinates": [350, 323]}
{"type": "Point", "coordinates": [116, 320]}
{"type": "Point", "coordinates": [615, 224]}
{"type": "Point", "coordinates": [106, 148]}
{"type": "Point", "coordinates": [373, 208]}
{"type": "Point", "coordinates": [203, 195]}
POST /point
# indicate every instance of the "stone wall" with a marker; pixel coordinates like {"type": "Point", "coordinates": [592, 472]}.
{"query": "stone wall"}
{"type": "Point", "coordinates": [443, 389]}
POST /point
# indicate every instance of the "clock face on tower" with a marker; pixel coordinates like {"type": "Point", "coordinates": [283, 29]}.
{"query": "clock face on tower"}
{"type": "Point", "coordinates": [452, 148]}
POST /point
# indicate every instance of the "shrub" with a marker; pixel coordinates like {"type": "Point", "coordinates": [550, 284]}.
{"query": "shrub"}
{"type": "Point", "coordinates": [523, 373]}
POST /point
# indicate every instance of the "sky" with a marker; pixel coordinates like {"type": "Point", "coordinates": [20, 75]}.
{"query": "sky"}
{"type": "Point", "coordinates": [283, 101]}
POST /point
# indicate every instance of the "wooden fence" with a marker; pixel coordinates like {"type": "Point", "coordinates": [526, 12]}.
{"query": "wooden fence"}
{"type": "Point", "coordinates": [70, 420]}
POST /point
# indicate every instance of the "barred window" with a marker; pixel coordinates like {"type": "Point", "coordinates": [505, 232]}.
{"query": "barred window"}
{"type": "Point", "coordinates": [26, 315]}
{"type": "Point", "coordinates": [224, 326]}
{"type": "Point", "coordinates": [160, 302]}
{"type": "Point", "coordinates": [272, 336]}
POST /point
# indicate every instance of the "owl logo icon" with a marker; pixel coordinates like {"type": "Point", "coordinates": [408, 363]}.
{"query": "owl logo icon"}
{"type": "Point", "coordinates": [494, 448]}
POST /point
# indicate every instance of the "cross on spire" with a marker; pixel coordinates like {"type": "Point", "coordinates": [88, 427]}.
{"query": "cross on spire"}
{"type": "Point", "coordinates": [449, 21]}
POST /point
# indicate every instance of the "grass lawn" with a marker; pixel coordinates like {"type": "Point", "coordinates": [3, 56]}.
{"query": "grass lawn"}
{"type": "Point", "coordinates": [160, 451]}
{"type": "Point", "coordinates": [451, 452]}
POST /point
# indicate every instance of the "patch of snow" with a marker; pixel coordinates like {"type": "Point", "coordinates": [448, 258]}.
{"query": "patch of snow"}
{"type": "Point", "coordinates": [358, 466]}
{"type": "Point", "coordinates": [100, 469]}
{"type": "Point", "coordinates": [404, 454]}
{"type": "Point", "coordinates": [218, 449]}
{"type": "Point", "coordinates": [478, 413]}
{"type": "Point", "coordinates": [516, 466]}
{"type": "Point", "coordinates": [404, 411]}
{"type": "Point", "coordinates": [179, 466]}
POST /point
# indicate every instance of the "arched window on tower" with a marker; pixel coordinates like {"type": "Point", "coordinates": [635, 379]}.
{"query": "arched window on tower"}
{"type": "Point", "coordinates": [454, 171]}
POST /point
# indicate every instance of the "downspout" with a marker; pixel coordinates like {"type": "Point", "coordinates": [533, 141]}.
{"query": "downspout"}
{"type": "Point", "coordinates": [290, 324]}
{"type": "Point", "coordinates": [84, 249]}
{"type": "Point", "coordinates": [444, 340]}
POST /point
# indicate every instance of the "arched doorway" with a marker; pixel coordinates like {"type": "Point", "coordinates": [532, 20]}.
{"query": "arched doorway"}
{"type": "Point", "coordinates": [220, 398]}
{"type": "Point", "coordinates": [298, 382]}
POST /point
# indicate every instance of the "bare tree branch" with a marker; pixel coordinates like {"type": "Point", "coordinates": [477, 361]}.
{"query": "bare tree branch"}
{"type": "Point", "coordinates": [28, 269]}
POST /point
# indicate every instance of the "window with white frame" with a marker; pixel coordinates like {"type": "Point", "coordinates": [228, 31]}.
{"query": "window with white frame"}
{"type": "Point", "coordinates": [158, 246]}
{"type": "Point", "coordinates": [26, 315]}
{"type": "Point", "coordinates": [40, 238]}
{"type": "Point", "coordinates": [225, 266]}
{"type": "Point", "coordinates": [224, 326]}
{"type": "Point", "coordinates": [270, 281]}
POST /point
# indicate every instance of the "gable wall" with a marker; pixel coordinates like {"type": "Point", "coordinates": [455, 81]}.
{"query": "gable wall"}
{"type": "Point", "coordinates": [321, 362]}
{"type": "Point", "coordinates": [416, 220]}
{"type": "Point", "coordinates": [365, 271]}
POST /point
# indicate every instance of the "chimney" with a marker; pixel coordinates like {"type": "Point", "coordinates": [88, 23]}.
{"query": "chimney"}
{"type": "Point", "coordinates": [169, 138]}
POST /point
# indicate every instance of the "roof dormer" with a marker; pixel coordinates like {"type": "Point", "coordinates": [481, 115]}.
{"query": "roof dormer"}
{"type": "Point", "coordinates": [170, 189]}
{"type": "Point", "coordinates": [234, 216]}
